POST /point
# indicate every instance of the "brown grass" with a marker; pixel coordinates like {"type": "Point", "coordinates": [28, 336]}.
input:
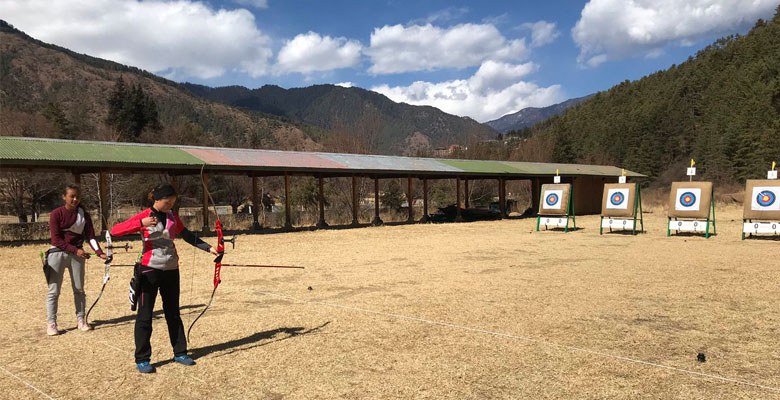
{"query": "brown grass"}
{"type": "Point", "coordinates": [649, 298]}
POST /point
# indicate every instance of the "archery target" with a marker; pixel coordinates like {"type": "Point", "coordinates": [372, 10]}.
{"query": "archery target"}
{"type": "Point", "coordinates": [688, 199]}
{"type": "Point", "coordinates": [551, 199]}
{"type": "Point", "coordinates": [764, 198]}
{"type": "Point", "coordinates": [617, 199]}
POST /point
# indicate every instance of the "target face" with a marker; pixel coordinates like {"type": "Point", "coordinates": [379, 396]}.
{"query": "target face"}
{"type": "Point", "coordinates": [552, 199]}
{"type": "Point", "coordinates": [688, 199]}
{"type": "Point", "coordinates": [617, 199]}
{"type": "Point", "coordinates": [765, 198]}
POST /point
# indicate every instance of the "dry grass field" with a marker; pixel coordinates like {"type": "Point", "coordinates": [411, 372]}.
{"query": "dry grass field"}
{"type": "Point", "coordinates": [486, 310]}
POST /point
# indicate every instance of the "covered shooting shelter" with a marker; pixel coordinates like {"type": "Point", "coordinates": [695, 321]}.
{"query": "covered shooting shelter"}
{"type": "Point", "coordinates": [80, 156]}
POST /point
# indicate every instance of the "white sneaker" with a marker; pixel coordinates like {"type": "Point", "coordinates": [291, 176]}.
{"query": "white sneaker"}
{"type": "Point", "coordinates": [51, 329]}
{"type": "Point", "coordinates": [83, 325]}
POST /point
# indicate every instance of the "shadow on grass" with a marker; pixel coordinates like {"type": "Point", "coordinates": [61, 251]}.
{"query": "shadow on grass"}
{"type": "Point", "coordinates": [126, 319]}
{"type": "Point", "coordinates": [572, 229]}
{"type": "Point", "coordinates": [254, 340]}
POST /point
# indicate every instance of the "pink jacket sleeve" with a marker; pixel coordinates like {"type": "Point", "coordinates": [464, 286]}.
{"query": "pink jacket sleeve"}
{"type": "Point", "coordinates": [132, 225]}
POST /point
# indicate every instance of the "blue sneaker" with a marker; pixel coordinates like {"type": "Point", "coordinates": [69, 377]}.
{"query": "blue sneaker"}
{"type": "Point", "coordinates": [184, 360]}
{"type": "Point", "coordinates": [145, 367]}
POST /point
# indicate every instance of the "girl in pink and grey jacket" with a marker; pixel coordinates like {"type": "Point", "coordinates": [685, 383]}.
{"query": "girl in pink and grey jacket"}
{"type": "Point", "coordinates": [159, 269]}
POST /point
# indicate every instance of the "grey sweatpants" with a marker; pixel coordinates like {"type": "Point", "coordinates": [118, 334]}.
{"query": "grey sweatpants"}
{"type": "Point", "coordinates": [58, 262]}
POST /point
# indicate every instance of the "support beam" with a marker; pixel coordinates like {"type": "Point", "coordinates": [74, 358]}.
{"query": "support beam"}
{"type": "Point", "coordinates": [76, 178]}
{"type": "Point", "coordinates": [176, 186]}
{"type": "Point", "coordinates": [355, 203]}
{"type": "Point", "coordinates": [425, 218]}
{"type": "Point", "coordinates": [104, 211]}
{"type": "Point", "coordinates": [502, 196]}
{"type": "Point", "coordinates": [377, 221]}
{"type": "Point", "coordinates": [256, 206]}
{"type": "Point", "coordinates": [205, 204]}
{"type": "Point", "coordinates": [458, 217]}
{"type": "Point", "coordinates": [535, 188]}
{"type": "Point", "coordinates": [466, 191]}
{"type": "Point", "coordinates": [410, 200]}
{"type": "Point", "coordinates": [321, 199]}
{"type": "Point", "coordinates": [287, 217]}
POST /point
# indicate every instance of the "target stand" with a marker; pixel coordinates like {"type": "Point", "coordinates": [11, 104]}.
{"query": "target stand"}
{"type": "Point", "coordinates": [555, 207]}
{"type": "Point", "coordinates": [621, 208]}
{"type": "Point", "coordinates": [761, 213]}
{"type": "Point", "coordinates": [691, 208]}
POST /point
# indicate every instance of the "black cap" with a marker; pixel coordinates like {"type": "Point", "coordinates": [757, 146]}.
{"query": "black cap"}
{"type": "Point", "coordinates": [162, 191]}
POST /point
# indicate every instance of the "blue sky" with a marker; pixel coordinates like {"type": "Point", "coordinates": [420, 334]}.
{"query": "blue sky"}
{"type": "Point", "coordinates": [481, 60]}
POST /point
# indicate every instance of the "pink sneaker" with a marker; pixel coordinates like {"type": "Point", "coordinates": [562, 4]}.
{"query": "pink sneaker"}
{"type": "Point", "coordinates": [51, 329]}
{"type": "Point", "coordinates": [83, 325]}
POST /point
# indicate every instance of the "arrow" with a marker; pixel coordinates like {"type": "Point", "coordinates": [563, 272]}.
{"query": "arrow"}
{"type": "Point", "coordinates": [261, 266]}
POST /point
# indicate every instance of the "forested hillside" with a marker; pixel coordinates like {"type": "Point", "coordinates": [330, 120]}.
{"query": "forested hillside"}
{"type": "Point", "coordinates": [721, 107]}
{"type": "Point", "coordinates": [49, 91]}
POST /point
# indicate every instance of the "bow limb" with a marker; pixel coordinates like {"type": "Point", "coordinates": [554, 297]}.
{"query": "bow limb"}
{"type": "Point", "coordinates": [106, 276]}
{"type": "Point", "coordinates": [220, 252]}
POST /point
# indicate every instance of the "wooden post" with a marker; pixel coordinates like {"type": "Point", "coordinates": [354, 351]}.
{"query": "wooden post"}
{"type": "Point", "coordinates": [466, 191]}
{"type": "Point", "coordinates": [321, 223]}
{"type": "Point", "coordinates": [76, 178]}
{"type": "Point", "coordinates": [176, 186]}
{"type": "Point", "coordinates": [256, 206]}
{"type": "Point", "coordinates": [425, 201]}
{"type": "Point", "coordinates": [104, 211]}
{"type": "Point", "coordinates": [410, 200]}
{"type": "Point", "coordinates": [502, 196]}
{"type": "Point", "coordinates": [205, 196]}
{"type": "Point", "coordinates": [355, 203]}
{"type": "Point", "coordinates": [287, 217]}
{"type": "Point", "coordinates": [458, 217]}
{"type": "Point", "coordinates": [535, 188]}
{"type": "Point", "coordinates": [377, 220]}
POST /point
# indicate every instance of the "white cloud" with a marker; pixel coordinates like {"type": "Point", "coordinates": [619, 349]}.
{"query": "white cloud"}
{"type": "Point", "coordinates": [311, 52]}
{"type": "Point", "coordinates": [614, 29]}
{"type": "Point", "coordinates": [444, 15]}
{"type": "Point", "coordinates": [397, 49]}
{"type": "Point", "coordinates": [542, 32]}
{"type": "Point", "coordinates": [260, 4]}
{"type": "Point", "coordinates": [493, 91]}
{"type": "Point", "coordinates": [180, 38]}
{"type": "Point", "coordinates": [345, 84]}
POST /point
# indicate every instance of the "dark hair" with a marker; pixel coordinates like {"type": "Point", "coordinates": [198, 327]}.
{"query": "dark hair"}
{"type": "Point", "coordinates": [161, 191]}
{"type": "Point", "coordinates": [71, 186]}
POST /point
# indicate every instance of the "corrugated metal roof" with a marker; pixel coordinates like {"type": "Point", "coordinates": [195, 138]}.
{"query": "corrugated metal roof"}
{"type": "Point", "coordinates": [389, 163]}
{"type": "Point", "coordinates": [265, 158]}
{"type": "Point", "coordinates": [32, 152]}
{"type": "Point", "coordinates": [57, 151]}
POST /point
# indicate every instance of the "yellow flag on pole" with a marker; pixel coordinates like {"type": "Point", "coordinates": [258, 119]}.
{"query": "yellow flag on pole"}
{"type": "Point", "coordinates": [692, 163]}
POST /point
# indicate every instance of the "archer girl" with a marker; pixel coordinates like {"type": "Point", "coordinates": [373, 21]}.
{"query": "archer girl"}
{"type": "Point", "coordinates": [69, 225]}
{"type": "Point", "coordinates": [159, 269]}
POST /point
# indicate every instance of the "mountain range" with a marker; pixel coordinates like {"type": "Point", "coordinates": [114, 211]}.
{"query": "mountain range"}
{"type": "Point", "coordinates": [531, 116]}
{"type": "Point", "coordinates": [37, 77]}
{"type": "Point", "coordinates": [382, 125]}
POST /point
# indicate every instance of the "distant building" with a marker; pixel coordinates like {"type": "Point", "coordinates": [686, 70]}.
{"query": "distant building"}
{"type": "Point", "coordinates": [448, 151]}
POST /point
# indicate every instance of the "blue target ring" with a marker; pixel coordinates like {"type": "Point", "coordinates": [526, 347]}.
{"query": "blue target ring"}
{"type": "Point", "coordinates": [766, 198]}
{"type": "Point", "coordinates": [688, 199]}
{"type": "Point", "coordinates": [552, 199]}
{"type": "Point", "coordinates": [617, 198]}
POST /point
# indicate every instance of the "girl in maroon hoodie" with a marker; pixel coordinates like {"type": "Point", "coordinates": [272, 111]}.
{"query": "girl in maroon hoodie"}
{"type": "Point", "coordinates": [70, 225]}
{"type": "Point", "coordinates": [159, 270]}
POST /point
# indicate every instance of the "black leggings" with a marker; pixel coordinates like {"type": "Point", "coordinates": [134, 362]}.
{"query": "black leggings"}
{"type": "Point", "coordinates": [168, 283]}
